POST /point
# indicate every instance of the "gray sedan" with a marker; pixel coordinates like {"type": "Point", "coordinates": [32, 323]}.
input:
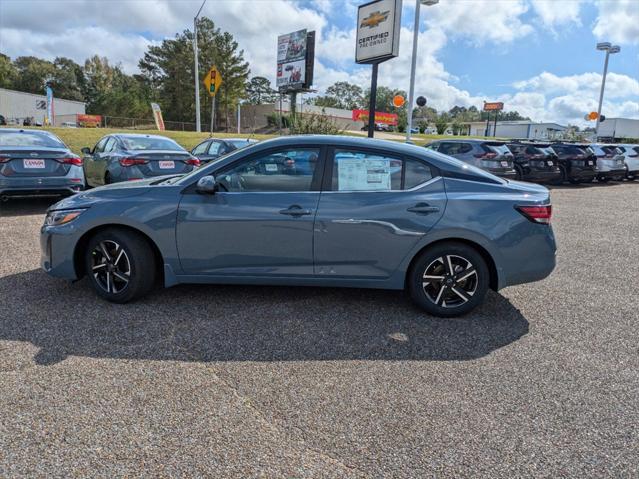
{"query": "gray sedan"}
{"type": "Point", "coordinates": [315, 211]}
{"type": "Point", "coordinates": [125, 157]}
{"type": "Point", "coordinates": [37, 163]}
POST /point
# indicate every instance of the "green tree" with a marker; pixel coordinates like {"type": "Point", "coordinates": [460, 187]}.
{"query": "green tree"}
{"type": "Point", "coordinates": [343, 95]}
{"type": "Point", "coordinates": [259, 90]}
{"type": "Point", "coordinates": [33, 73]}
{"type": "Point", "coordinates": [8, 72]}
{"type": "Point", "coordinates": [168, 68]}
{"type": "Point", "coordinates": [441, 124]}
{"type": "Point", "coordinates": [68, 79]}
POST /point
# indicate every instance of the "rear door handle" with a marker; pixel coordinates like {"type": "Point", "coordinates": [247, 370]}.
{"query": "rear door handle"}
{"type": "Point", "coordinates": [423, 208]}
{"type": "Point", "coordinates": [295, 210]}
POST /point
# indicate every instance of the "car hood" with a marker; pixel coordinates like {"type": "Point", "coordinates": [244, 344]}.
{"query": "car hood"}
{"type": "Point", "coordinates": [124, 189]}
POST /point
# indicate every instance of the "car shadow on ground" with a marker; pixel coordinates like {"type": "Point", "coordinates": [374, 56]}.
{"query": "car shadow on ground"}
{"type": "Point", "coordinates": [26, 206]}
{"type": "Point", "coordinates": [245, 323]}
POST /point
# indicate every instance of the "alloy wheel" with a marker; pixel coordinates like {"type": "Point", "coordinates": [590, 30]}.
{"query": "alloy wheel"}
{"type": "Point", "coordinates": [450, 281]}
{"type": "Point", "coordinates": [111, 266]}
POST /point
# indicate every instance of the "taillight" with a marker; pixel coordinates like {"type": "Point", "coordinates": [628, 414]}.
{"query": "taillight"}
{"type": "Point", "coordinates": [536, 214]}
{"type": "Point", "coordinates": [486, 156]}
{"type": "Point", "coordinates": [289, 162]}
{"type": "Point", "coordinates": [193, 162]}
{"type": "Point", "coordinates": [4, 159]}
{"type": "Point", "coordinates": [132, 161]}
{"type": "Point", "coordinates": [71, 160]}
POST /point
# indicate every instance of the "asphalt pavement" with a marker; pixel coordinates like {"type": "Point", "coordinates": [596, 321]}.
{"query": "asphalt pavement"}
{"type": "Point", "coordinates": [230, 381]}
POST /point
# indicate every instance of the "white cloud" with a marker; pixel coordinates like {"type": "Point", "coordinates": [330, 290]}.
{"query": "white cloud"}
{"type": "Point", "coordinates": [618, 21]}
{"type": "Point", "coordinates": [555, 13]}
{"type": "Point", "coordinates": [480, 21]}
{"type": "Point", "coordinates": [617, 86]}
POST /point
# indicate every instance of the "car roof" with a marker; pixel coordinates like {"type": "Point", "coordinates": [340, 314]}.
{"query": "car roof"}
{"type": "Point", "coordinates": [27, 130]}
{"type": "Point", "coordinates": [140, 135]}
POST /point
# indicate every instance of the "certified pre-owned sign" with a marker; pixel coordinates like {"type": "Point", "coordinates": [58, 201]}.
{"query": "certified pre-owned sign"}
{"type": "Point", "coordinates": [378, 25]}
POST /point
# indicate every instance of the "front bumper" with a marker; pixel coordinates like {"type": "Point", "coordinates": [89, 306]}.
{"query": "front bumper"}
{"type": "Point", "coordinates": [57, 246]}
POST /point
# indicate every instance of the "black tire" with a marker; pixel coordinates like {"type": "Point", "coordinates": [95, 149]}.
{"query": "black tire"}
{"type": "Point", "coordinates": [458, 297]}
{"type": "Point", "coordinates": [125, 255]}
{"type": "Point", "coordinates": [603, 179]}
{"type": "Point", "coordinates": [520, 173]}
{"type": "Point", "coordinates": [107, 178]}
{"type": "Point", "coordinates": [563, 177]}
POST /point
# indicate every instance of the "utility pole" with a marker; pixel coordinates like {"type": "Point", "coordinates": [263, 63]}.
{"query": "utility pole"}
{"type": "Point", "coordinates": [196, 69]}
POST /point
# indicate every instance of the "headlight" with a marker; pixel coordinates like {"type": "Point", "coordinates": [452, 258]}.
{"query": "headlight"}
{"type": "Point", "coordinates": [61, 217]}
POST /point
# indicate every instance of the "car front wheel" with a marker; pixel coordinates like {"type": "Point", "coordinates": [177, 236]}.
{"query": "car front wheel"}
{"type": "Point", "coordinates": [120, 265]}
{"type": "Point", "coordinates": [449, 279]}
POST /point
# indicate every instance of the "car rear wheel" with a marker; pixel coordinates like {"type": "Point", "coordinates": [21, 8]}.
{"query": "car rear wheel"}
{"type": "Point", "coordinates": [120, 265]}
{"type": "Point", "coordinates": [520, 173]}
{"type": "Point", "coordinates": [449, 279]}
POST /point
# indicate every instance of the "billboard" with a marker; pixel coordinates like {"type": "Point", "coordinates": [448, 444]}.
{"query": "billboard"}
{"type": "Point", "coordinates": [380, 117]}
{"type": "Point", "coordinates": [295, 57]}
{"type": "Point", "coordinates": [88, 121]}
{"type": "Point", "coordinates": [493, 106]}
{"type": "Point", "coordinates": [378, 26]}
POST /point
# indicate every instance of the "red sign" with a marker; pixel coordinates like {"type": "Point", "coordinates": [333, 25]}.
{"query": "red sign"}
{"type": "Point", "coordinates": [380, 117]}
{"type": "Point", "coordinates": [493, 106]}
{"type": "Point", "coordinates": [88, 120]}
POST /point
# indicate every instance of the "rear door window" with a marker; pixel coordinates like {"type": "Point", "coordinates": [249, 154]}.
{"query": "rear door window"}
{"type": "Point", "coordinates": [201, 148]}
{"type": "Point", "coordinates": [355, 170]}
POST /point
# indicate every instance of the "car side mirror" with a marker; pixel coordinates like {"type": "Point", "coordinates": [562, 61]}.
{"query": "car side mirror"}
{"type": "Point", "coordinates": [206, 185]}
{"type": "Point", "coordinates": [86, 150]}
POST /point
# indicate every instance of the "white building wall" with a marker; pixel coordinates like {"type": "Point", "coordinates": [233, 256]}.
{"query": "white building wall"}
{"type": "Point", "coordinates": [16, 105]}
{"type": "Point", "coordinates": [619, 128]}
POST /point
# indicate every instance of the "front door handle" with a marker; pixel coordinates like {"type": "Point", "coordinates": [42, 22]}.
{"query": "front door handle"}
{"type": "Point", "coordinates": [295, 210]}
{"type": "Point", "coordinates": [423, 209]}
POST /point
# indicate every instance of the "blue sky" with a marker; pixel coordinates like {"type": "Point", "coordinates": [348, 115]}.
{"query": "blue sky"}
{"type": "Point", "coordinates": [538, 56]}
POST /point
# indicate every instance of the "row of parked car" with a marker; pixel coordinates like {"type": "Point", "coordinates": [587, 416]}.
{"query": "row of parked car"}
{"type": "Point", "coordinates": [546, 162]}
{"type": "Point", "coordinates": [36, 162]}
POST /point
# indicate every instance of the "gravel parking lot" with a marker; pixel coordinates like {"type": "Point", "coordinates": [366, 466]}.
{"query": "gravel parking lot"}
{"type": "Point", "coordinates": [542, 380]}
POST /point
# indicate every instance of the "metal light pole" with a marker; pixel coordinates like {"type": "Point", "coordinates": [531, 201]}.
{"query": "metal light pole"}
{"type": "Point", "coordinates": [411, 90]}
{"type": "Point", "coordinates": [609, 49]}
{"type": "Point", "coordinates": [198, 125]}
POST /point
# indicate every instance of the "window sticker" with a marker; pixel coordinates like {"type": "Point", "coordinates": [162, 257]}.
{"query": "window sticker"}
{"type": "Point", "coordinates": [363, 174]}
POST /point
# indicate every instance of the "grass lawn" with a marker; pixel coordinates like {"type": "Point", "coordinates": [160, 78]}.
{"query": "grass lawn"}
{"type": "Point", "coordinates": [76, 138]}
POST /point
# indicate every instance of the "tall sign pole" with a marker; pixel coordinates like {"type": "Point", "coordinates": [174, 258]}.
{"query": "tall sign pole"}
{"type": "Point", "coordinates": [196, 66]}
{"type": "Point", "coordinates": [378, 27]}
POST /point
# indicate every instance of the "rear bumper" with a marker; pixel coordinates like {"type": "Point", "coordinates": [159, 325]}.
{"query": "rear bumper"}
{"type": "Point", "coordinates": [612, 174]}
{"type": "Point", "coordinates": [578, 173]}
{"type": "Point", "coordinates": [542, 176]}
{"type": "Point", "coordinates": [43, 186]}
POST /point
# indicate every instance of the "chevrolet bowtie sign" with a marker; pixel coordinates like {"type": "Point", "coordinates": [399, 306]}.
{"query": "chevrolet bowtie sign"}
{"type": "Point", "coordinates": [378, 26]}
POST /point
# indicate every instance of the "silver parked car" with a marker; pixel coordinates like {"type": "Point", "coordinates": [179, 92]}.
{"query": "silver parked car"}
{"type": "Point", "coordinates": [125, 157]}
{"type": "Point", "coordinates": [631, 158]}
{"type": "Point", "coordinates": [37, 163]}
{"type": "Point", "coordinates": [489, 155]}
{"type": "Point", "coordinates": [610, 162]}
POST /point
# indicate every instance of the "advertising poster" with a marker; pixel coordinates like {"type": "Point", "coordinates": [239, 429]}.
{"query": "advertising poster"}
{"type": "Point", "coordinates": [291, 60]}
{"type": "Point", "coordinates": [157, 116]}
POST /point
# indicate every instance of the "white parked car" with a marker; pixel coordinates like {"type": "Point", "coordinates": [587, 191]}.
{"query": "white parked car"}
{"type": "Point", "coordinates": [631, 158]}
{"type": "Point", "coordinates": [610, 162]}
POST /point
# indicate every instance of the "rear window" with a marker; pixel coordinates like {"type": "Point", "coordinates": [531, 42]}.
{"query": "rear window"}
{"type": "Point", "coordinates": [572, 150]}
{"type": "Point", "coordinates": [27, 138]}
{"type": "Point", "coordinates": [149, 143]}
{"type": "Point", "coordinates": [240, 143]}
{"type": "Point", "coordinates": [499, 148]}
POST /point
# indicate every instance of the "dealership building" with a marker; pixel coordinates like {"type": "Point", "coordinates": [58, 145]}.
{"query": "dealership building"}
{"type": "Point", "coordinates": [517, 129]}
{"type": "Point", "coordinates": [16, 106]}
{"type": "Point", "coordinates": [619, 128]}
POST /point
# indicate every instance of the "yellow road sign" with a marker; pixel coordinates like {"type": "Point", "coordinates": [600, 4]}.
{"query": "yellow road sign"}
{"type": "Point", "coordinates": [212, 81]}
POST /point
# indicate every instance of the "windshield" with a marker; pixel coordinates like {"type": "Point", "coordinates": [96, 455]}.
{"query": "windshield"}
{"type": "Point", "coordinates": [207, 168]}
{"type": "Point", "coordinates": [141, 143]}
{"type": "Point", "coordinates": [29, 138]}
{"type": "Point", "coordinates": [240, 143]}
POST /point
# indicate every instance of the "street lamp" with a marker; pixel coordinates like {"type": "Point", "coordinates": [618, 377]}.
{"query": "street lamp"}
{"type": "Point", "coordinates": [411, 90]}
{"type": "Point", "coordinates": [609, 49]}
{"type": "Point", "coordinates": [198, 125]}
